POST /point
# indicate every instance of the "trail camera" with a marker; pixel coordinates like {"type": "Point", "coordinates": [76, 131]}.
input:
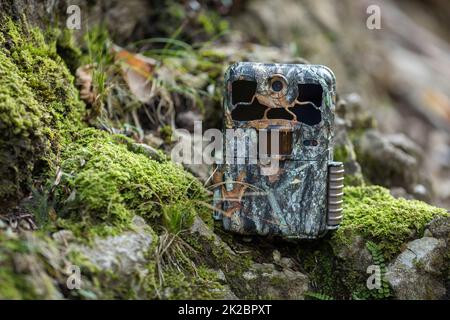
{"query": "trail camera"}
{"type": "Point", "coordinates": [279, 177]}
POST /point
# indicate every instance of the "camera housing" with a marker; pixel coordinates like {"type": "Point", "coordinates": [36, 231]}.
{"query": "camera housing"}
{"type": "Point", "coordinates": [300, 198]}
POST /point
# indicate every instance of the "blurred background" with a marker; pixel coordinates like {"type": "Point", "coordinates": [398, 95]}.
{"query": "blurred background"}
{"type": "Point", "coordinates": [393, 124]}
{"type": "Point", "coordinates": [399, 74]}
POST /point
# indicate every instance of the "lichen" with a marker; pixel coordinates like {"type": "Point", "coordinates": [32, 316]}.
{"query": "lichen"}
{"type": "Point", "coordinates": [371, 212]}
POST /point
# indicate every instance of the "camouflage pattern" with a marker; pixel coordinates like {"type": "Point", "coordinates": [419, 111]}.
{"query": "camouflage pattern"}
{"type": "Point", "coordinates": [291, 201]}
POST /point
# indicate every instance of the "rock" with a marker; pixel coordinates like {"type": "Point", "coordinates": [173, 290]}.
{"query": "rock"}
{"type": "Point", "coordinates": [221, 276]}
{"type": "Point", "coordinates": [402, 141]}
{"type": "Point", "coordinates": [276, 255]}
{"type": "Point", "coordinates": [284, 262]}
{"type": "Point", "coordinates": [200, 228]}
{"type": "Point", "coordinates": [122, 254]}
{"type": "Point", "coordinates": [228, 294]}
{"type": "Point", "coordinates": [385, 164]}
{"type": "Point", "coordinates": [439, 228]}
{"type": "Point", "coordinates": [356, 114]}
{"type": "Point", "coordinates": [265, 281]}
{"type": "Point", "coordinates": [63, 236]}
{"type": "Point", "coordinates": [153, 140]}
{"type": "Point", "coordinates": [187, 119]}
{"type": "Point", "coordinates": [416, 274]}
{"type": "Point", "coordinates": [399, 192]}
{"type": "Point", "coordinates": [356, 254]}
{"type": "Point", "coordinates": [287, 263]}
{"type": "Point", "coordinates": [420, 191]}
{"type": "Point", "coordinates": [344, 151]}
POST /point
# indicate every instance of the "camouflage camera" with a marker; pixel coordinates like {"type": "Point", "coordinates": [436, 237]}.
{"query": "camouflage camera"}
{"type": "Point", "coordinates": [284, 113]}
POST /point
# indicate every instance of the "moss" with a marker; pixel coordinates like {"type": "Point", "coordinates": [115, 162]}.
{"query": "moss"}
{"type": "Point", "coordinates": [23, 267]}
{"type": "Point", "coordinates": [13, 285]}
{"type": "Point", "coordinates": [215, 253]}
{"type": "Point", "coordinates": [370, 211]}
{"type": "Point", "coordinates": [204, 285]}
{"type": "Point", "coordinates": [105, 183]}
{"type": "Point", "coordinates": [39, 107]}
{"type": "Point", "coordinates": [345, 153]}
{"type": "Point", "coordinates": [166, 133]}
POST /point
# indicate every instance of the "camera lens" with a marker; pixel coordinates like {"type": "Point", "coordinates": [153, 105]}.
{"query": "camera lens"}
{"type": "Point", "coordinates": [277, 86]}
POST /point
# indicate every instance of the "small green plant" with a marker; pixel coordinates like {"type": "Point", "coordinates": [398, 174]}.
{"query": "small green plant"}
{"type": "Point", "coordinates": [42, 206]}
{"type": "Point", "coordinates": [177, 217]}
{"type": "Point", "coordinates": [98, 45]}
{"type": "Point", "coordinates": [384, 291]}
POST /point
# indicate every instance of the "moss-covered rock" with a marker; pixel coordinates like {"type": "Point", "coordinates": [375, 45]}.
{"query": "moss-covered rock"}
{"type": "Point", "coordinates": [106, 181]}
{"type": "Point", "coordinates": [25, 261]}
{"type": "Point", "coordinates": [39, 107]}
{"type": "Point", "coordinates": [371, 212]}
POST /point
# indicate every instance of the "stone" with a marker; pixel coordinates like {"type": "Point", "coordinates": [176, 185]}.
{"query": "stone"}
{"type": "Point", "coordinates": [416, 274]}
{"type": "Point", "coordinates": [122, 254]}
{"type": "Point", "coordinates": [229, 294]}
{"type": "Point", "coordinates": [344, 151]}
{"type": "Point", "coordinates": [402, 141]}
{"type": "Point", "coordinates": [200, 228]}
{"type": "Point", "coordinates": [266, 281]}
{"type": "Point", "coordinates": [276, 255]}
{"type": "Point", "coordinates": [63, 236]}
{"type": "Point", "coordinates": [385, 164]}
{"type": "Point", "coordinates": [187, 119]}
{"type": "Point", "coordinates": [439, 228]}
{"type": "Point", "coordinates": [287, 263]}
{"type": "Point", "coordinates": [399, 192]}
{"type": "Point", "coordinates": [356, 254]}
{"type": "Point", "coordinates": [355, 113]}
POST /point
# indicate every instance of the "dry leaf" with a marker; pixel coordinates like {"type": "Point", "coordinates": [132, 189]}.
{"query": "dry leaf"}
{"type": "Point", "coordinates": [84, 82]}
{"type": "Point", "coordinates": [137, 71]}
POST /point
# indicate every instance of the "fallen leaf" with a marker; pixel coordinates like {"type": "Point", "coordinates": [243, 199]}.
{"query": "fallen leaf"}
{"type": "Point", "coordinates": [84, 82]}
{"type": "Point", "coordinates": [137, 71]}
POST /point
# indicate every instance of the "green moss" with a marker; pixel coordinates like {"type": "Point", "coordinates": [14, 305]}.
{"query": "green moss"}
{"type": "Point", "coordinates": [204, 285]}
{"type": "Point", "coordinates": [105, 183]}
{"type": "Point", "coordinates": [166, 133]}
{"type": "Point", "coordinates": [12, 285]}
{"type": "Point", "coordinates": [373, 213]}
{"type": "Point", "coordinates": [21, 268]}
{"type": "Point", "coordinates": [345, 153]}
{"type": "Point", "coordinates": [39, 107]}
